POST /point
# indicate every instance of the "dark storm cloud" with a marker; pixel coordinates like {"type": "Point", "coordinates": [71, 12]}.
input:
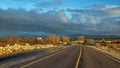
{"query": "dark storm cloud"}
{"type": "Point", "coordinates": [33, 21]}
{"type": "Point", "coordinates": [54, 22]}
{"type": "Point", "coordinates": [21, 20]}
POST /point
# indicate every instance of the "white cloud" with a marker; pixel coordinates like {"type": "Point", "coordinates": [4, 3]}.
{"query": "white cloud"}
{"type": "Point", "coordinates": [105, 7]}
{"type": "Point", "coordinates": [50, 4]}
{"type": "Point", "coordinates": [39, 11]}
{"type": "Point", "coordinates": [110, 10]}
{"type": "Point", "coordinates": [94, 20]}
{"type": "Point", "coordinates": [62, 16]}
{"type": "Point", "coordinates": [100, 11]}
{"type": "Point", "coordinates": [84, 19]}
{"type": "Point", "coordinates": [114, 13]}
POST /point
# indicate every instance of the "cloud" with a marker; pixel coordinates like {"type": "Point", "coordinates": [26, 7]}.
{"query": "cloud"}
{"type": "Point", "coordinates": [12, 20]}
{"type": "Point", "coordinates": [63, 16]}
{"type": "Point", "coordinates": [28, 0]}
{"type": "Point", "coordinates": [103, 17]}
{"type": "Point", "coordinates": [109, 24]}
{"type": "Point", "coordinates": [84, 19]}
{"type": "Point", "coordinates": [50, 4]}
{"type": "Point", "coordinates": [99, 10]}
{"type": "Point", "coordinates": [19, 20]}
{"type": "Point", "coordinates": [94, 20]}
{"type": "Point", "coordinates": [110, 10]}
{"type": "Point", "coordinates": [89, 12]}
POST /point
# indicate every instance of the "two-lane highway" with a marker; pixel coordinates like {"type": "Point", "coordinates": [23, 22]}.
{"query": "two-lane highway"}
{"type": "Point", "coordinates": [63, 59]}
{"type": "Point", "coordinates": [71, 57]}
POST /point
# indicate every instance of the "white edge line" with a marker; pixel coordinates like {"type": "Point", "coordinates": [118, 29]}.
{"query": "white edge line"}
{"type": "Point", "coordinates": [41, 59]}
{"type": "Point", "coordinates": [107, 55]}
{"type": "Point", "coordinates": [110, 57]}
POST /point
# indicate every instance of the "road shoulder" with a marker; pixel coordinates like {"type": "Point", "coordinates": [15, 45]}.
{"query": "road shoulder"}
{"type": "Point", "coordinates": [111, 55]}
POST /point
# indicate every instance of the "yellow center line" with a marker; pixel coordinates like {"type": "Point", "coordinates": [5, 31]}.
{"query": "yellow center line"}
{"type": "Point", "coordinates": [78, 60]}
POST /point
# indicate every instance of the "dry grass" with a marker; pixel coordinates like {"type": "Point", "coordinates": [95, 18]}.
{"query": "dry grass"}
{"type": "Point", "coordinates": [16, 48]}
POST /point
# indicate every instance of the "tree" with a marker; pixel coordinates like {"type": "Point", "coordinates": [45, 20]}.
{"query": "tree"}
{"type": "Point", "coordinates": [81, 39]}
{"type": "Point", "coordinates": [52, 39]}
{"type": "Point", "coordinates": [89, 41]}
{"type": "Point", "coordinates": [65, 38]}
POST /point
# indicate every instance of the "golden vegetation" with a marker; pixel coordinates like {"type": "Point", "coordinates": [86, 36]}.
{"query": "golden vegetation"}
{"type": "Point", "coordinates": [22, 41]}
{"type": "Point", "coordinates": [81, 39]}
{"type": "Point", "coordinates": [13, 45]}
{"type": "Point", "coordinates": [89, 41]}
{"type": "Point", "coordinates": [65, 39]}
{"type": "Point", "coordinates": [16, 48]}
{"type": "Point", "coordinates": [109, 44]}
{"type": "Point", "coordinates": [52, 39]}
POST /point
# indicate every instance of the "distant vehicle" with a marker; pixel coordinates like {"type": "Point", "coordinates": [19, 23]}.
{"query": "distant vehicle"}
{"type": "Point", "coordinates": [93, 43]}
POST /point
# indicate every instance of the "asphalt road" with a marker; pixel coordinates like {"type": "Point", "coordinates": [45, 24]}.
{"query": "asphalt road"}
{"type": "Point", "coordinates": [95, 59]}
{"type": "Point", "coordinates": [68, 58]}
{"type": "Point", "coordinates": [63, 59]}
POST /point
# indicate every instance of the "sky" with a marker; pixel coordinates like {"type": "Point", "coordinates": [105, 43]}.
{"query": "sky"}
{"type": "Point", "coordinates": [63, 17]}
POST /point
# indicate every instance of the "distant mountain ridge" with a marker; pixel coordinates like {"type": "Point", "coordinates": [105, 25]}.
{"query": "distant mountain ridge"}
{"type": "Point", "coordinates": [70, 35]}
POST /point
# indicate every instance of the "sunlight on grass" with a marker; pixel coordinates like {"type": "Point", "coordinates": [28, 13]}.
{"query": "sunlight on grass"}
{"type": "Point", "coordinates": [16, 48]}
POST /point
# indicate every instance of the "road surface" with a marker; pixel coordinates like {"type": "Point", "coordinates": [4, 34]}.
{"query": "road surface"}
{"type": "Point", "coordinates": [63, 59]}
{"type": "Point", "coordinates": [92, 58]}
{"type": "Point", "coordinates": [68, 58]}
